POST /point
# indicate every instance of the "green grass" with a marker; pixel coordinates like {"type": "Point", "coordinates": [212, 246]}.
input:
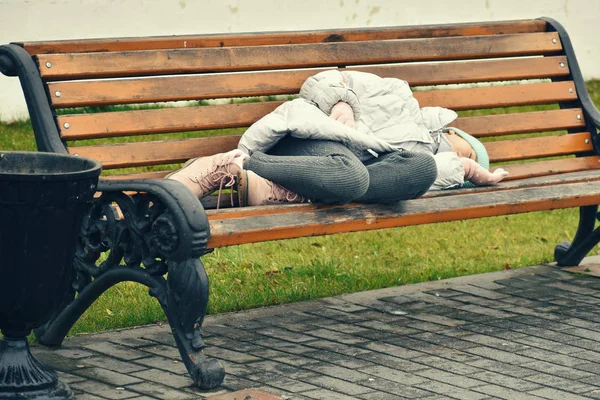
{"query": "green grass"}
{"type": "Point", "coordinates": [263, 274]}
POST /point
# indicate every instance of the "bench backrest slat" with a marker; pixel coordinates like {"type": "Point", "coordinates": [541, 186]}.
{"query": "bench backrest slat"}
{"type": "Point", "coordinates": [271, 38]}
{"type": "Point", "coordinates": [166, 120]}
{"type": "Point", "coordinates": [81, 94]}
{"type": "Point", "coordinates": [150, 153]}
{"type": "Point", "coordinates": [244, 58]}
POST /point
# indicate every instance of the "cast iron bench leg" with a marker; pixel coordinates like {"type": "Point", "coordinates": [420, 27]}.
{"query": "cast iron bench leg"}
{"type": "Point", "coordinates": [154, 238]}
{"type": "Point", "coordinates": [571, 253]}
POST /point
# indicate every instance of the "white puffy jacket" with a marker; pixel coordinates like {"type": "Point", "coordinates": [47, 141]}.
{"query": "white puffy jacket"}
{"type": "Point", "coordinates": [387, 118]}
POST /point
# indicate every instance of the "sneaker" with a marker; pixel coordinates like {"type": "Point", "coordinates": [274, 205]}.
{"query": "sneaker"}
{"type": "Point", "coordinates": [204, 175]}
{"type": "Point", "coordinates": [254, 190]}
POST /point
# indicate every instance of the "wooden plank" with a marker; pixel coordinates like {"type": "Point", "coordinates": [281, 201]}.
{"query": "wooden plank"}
{"type": "Point", "coordinates": [98, 93]}
{"type": "Point", "coordinates": [545, 146]}
{"type": "Point", "coordinates": [172, 151]}
{"type": "Point", "coordinates": [285, 37]}
{"type": "Point", "coordinates": [242, 212]}
{"type": "Point", "coordinates": [499, 96]}
{"type": "Point", "coordinates": [508, 124]}
{"type": "Point", "coordinates": [165, 120]}
{"type": "Point", "coordinates": [551, 167]}
{"type": "Point", "coordinates": [158, 152]}
{"type": "Point", "coordinates": [253, 58]}
{"type": "Point", "coordinates": [226, 232]}
{"type": "Point", "coordinates": [517, 171]}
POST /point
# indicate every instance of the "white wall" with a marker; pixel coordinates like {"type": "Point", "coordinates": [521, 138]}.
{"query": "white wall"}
{"type": "Point", "coordinates": [24, 20]}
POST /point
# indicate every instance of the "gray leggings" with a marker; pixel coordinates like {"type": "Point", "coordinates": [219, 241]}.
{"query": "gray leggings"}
{"type": "Point", "coordinates": [328, 172]}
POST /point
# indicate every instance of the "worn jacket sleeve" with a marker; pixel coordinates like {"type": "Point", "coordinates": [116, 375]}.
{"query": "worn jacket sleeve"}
{"type": "Point", "coordinates": [267, 131]}
{"type": "Point", "coordinates": [451, 173]}
{"type": "Point", "coordinates": [328, 88]}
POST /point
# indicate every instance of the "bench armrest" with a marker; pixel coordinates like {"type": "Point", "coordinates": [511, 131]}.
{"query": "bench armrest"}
{"type": "Point", "coordinates": [592, 114]}
{"type": "Point", "coordinates": [15, 61]}
{"type": "Point", "coordinates": [183, 231]}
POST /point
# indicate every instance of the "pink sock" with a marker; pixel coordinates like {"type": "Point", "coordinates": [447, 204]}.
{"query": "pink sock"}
{"type": "Point", "coordinates": [479, 175]}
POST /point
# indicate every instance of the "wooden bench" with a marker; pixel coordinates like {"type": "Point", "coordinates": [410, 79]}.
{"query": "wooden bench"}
{"type": "Point", "coordinates": [166, 229]}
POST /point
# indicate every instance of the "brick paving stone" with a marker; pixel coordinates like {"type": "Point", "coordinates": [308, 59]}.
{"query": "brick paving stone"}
{"type": "Point", "coordinates": [166, 364]}
{"type": "Point", "coordinates": [87, 396]}
{"type": "Point", "coordinates": [546, 355]}
{"type": "Point", "coordinates": [103, 390]}
{"type": "Point", "coordinates": [450, 378]}
{"type": "Point", "coordinates": [284, 334]}
{"type": "Point", "coordinates": [394, 327]}
{"type": "Point", "coordinates": [289, 358]}
{"type": "Point", "coordinates": [348, 328]}
{"type": "Point", "coordinates": [162, 392]}
{"type": "Point", "coordinates": [443, 340]}
{"type": "Point", "coordinates": [280, 368]}
{"type": "Point", "coordinates": [437, 319]}
{"type": "Point", "coordinates": [161, 350]}
{"type": "Point", "coordinates": [380, 396]}
{"type": "Point", "coordinates": [284, 346]}
{"type": "Point", "coordinates": [555, 394]}
{"type": "Point", "coordinates": [341, 305]}
{"type": "Point", "coordinates": [447, 365]}
{"type": "Point", "coordinates": [230, 344]}
{"type": "Point", "coordinates": [559, 370]}
{"type": "Point", "coordinates": [324, 394]}
{"type": "Point", "coordinates": [57, 362]}
{"type": "Point", "coordinates": [479, 291]}
{"type": "Point", "coordinates": [426, 326]}
{"type": "Point", "coordinates": [390, 349]}
{"type": "Point", "coordinates": [510, 382]}
{"type": "Point", "coordinates": [499, 355]}
{"type": "Point", "coordinates": [132, 342]}
{"type": "Point", "coordinates": [497, 343]}
{"type": "Point", "coordinates": [395, 388]}
{"type": "Point", "coordinates": [336, 347]}
{"type": "Point", "coordinates": [115, 350]}
{"type": "Point", "coordinates": [336, 336]}
{"type": "Point", "coordinates": [68, 378]}
{"type": "Point", "coordinates": [339, 385]}
{"type": "Point", "coordinates": [568, 385]}
{"type": "Point", "coordinates": [340, 359]}
{"type": "Point", "coordinates": [164, 378]}
{"type": "Point", "coordinates": [107, 376]}
{"type": "Point", "coordinates": [281, 382]}
{"type": "Point", "coordinates": [451, 391]}
{"type": "Point", "coordinates": [114, 364]}
{"type": "Point", "coordinates": [230, 355]}
{"type": "Point", "coordinates": [72, 352]}
{"type": "Point", "coordinates": [391, 361]}
{"type": "Point", "coordinates": [507, 369]}
{"type": "Point", "coordinates": [394, 375]}
{"type": "Point", "coordinates": [506, 393]}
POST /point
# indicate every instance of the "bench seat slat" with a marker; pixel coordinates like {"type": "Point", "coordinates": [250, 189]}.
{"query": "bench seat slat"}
{"type": "Point", "coordinates": [242, 212]}
{"type": "Point", "coordinates": [270, 38]}
{"type": "Point", "coordinates": [98, 93]}
{"type": "Point", "coordinates": [330, 220]}
{"type": "Point", "coordinates": [165, 120]}
{"type": "Point", "coordinates": [245, 58]}
{"type": "Point", "coordinates": [172, 151]}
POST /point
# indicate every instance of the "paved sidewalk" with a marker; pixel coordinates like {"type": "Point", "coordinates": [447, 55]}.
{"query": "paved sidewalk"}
{"type": "Point", "coordinates": [531, 333]}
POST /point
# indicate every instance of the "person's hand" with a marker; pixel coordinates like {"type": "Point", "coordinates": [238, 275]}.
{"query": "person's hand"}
{"type": "Point", "coordinates": [481, 176]}
{"type": "Point", "coordinates": [343, 113]}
